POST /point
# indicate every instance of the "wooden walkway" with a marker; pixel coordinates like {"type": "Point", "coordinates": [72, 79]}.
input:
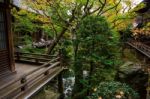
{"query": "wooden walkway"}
{"type": "Point", "coordinates": [21, 69]}
{"type": "Point", "coordinates": [141, 47]}
{"type": "Point", "coordinates": [29, 78]}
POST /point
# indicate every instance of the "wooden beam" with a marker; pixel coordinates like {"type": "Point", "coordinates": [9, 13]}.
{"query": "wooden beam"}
{"type": "Point", "coordinates": [10, 38]}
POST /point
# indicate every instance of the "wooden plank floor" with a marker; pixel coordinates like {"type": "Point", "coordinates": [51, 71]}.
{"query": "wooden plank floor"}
{"type": "Point", "coordinates": [21, 69]}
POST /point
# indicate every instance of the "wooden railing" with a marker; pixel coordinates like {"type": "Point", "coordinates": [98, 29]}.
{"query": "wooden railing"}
{"type": "Point", "coordinates": [140, 47]}
{"type": "Point", "coordinates": [25, 82]}
{"type": "Point", "coordinates": [32, 57]}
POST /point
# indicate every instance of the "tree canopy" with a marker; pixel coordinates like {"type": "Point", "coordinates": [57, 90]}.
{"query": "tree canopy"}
{"type": "Point", "coordinates": [65, 15]}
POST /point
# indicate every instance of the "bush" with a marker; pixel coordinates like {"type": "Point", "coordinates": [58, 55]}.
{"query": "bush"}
{"type": "Point", "coordinates": [113, 90]}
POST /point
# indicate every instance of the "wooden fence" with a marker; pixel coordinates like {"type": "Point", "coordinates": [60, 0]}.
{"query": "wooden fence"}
{"type": "Point", "coordinates": [32, 57]}
{"type": "Point", "coordinates": [27, 81]}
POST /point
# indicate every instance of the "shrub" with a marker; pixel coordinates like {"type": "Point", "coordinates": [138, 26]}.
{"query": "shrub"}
{"type": "Point", "coordinates": [113, 90]}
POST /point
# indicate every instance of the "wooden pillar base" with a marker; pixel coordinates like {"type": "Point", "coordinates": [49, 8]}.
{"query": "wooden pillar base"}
{"type": "Point", "coordinates": [60, 86]}
{"type": "Point", "coordinates": [148, 87]}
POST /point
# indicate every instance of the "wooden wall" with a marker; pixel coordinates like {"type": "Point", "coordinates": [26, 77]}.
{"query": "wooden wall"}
{"type": "Point", "coordinates": [6, 52]}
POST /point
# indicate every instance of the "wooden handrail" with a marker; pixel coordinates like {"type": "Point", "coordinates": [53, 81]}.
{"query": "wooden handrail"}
{"type": "Point", "coordinates": [2, 87]}
{"type": "Point", "coordinates": [140, 47]}
{"type": "Point", "coordinates": [32, 57]}
{"type": "Point", "coordinates": [35, 58]}
{"type": "Point", "coordinates": [45, 55]}
{"type": "Point", "coordinates": [22, 92]}
{"type": "Point", "coordinates": [31, 80]}
{"type": "Point", "coordinates": [44, 65]}
{"type": "Point", "coordinates": [143, 46]}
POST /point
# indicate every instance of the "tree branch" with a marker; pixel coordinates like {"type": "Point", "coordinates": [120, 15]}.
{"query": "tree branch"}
{"type": "Point", "coordinates": [67, 24]}
{"type": "Point", "coordinates": [111, 7]}
{"type": "Point", "coordinates": [86, 5]}
{"type": "Point", "coordinates": [103, 5]}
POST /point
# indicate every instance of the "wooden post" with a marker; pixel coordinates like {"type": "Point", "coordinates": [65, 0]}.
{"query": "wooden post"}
{"type": "Point", "coordinates": [148, 86]}
{"type": "Point", "coordinates": [60, 80]}
{"type": "Point", "coordinates": [18, 56]}
{"type": "Point", "coordinates": [9, 35]}
{"type": "Point", "coordinates": [60, 86]}
{"type": "Point", "coordinates": [61, 57]}
{"type": "Point", "coordinates": [46, 73]}
{"type": "Point", "coordinates": [37, 61]}
{"type": "Point", "coordinates": [24, 87]}
{"type": "Point", "coordinates": [144, 60]}
{"type": "Point", "coordinates": [23, 80]}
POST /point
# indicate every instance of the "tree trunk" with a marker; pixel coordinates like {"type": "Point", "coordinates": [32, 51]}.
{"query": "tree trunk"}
{"type": "Point", "coordinates": [78, 70]}
{"type": "Point", "coordinates": [55, 42]}
{"type": "Point", "coordinates": [78, 86]}
{"type": "Point", "coordinates": [91, 72]}
{"type": "Point", "coordinates": [60, 86]}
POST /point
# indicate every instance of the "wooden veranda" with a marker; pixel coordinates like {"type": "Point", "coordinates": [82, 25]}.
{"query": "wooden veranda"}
{"type": "Point", "coordinates": [33, 71]}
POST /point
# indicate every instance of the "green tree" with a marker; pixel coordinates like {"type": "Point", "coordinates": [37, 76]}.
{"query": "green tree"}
{"type": "Point", "coordinates": [94, 41]}
{"type": "Point", "coordinates": [66, 14]}
{"type": "Point", "coordinates": [96, 50]}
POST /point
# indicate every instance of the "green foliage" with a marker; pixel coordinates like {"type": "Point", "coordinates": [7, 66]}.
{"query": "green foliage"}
{"type": "Point", "coordinates": [112, 90]}
{"type": "Point", "coordinates": [139, 6]}
{"type": "Point", "coordinates": [105, 74]}
{"type": "Point", "coordinates": [27, 39]}
{"type": "Point", "coordinates": [97, 52]}
{"type": "Point", "coordinates": [23, 23]}
{"type": "Point", "coordinates": [95, 44]}
{"type": "Point", "coordinates": [30, 49]}
{"type": "Point", "coordinates": [98, 42]}
{"type": "Point", "coordinates": [126, 33]}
